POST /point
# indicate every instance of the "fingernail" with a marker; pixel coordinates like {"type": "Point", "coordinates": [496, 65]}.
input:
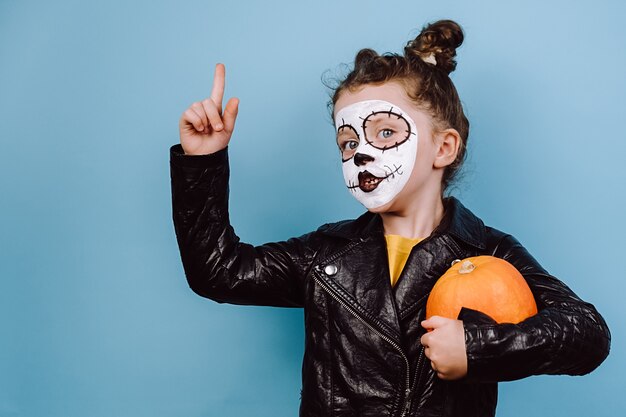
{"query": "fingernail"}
{"type": "Point", "coordinates": [219, 126]}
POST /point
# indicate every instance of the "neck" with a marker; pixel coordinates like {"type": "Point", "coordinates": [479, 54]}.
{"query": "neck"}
{"type": "Point", "coordinates": [416, 220]}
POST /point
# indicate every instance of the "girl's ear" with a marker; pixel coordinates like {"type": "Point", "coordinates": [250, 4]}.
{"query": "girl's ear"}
{"type": "Point", "coordinates": [447, 144]}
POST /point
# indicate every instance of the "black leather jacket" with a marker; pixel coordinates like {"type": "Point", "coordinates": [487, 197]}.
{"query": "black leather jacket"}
{"type": "Point", "coordinates": [363, 355]}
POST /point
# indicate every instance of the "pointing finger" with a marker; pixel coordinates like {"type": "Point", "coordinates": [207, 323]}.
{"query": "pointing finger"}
{"type": "Point", "coordinates": [217, 93]}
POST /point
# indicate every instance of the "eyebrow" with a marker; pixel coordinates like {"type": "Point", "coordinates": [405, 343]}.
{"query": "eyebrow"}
{"type": "Point", "coordinates": [347, 126]}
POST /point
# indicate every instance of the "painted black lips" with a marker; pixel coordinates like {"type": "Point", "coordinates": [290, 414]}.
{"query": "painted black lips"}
{"type": "Point", "coordinates": [368, 182]}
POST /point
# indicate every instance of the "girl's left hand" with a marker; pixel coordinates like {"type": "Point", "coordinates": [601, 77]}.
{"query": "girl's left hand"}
{"type": "Point", "coordinates": [445, 347]}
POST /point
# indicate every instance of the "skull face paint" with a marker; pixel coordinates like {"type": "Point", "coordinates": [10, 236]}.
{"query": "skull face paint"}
{"type": "Point", "coordinates": [378, 144]}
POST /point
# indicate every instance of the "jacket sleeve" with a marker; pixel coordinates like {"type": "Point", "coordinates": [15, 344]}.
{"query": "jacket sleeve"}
{"type": "Point", "coordinates": [566, 336]}
{"type": "Point", "coordinates": [217, 265]}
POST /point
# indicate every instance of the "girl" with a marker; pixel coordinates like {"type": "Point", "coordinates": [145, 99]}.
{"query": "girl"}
{"type": "Point", "coordinates": [363, 283]}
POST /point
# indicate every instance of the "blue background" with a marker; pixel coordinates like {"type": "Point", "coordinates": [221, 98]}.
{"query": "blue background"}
{"type": "Point", "coordinates": [96, 318]}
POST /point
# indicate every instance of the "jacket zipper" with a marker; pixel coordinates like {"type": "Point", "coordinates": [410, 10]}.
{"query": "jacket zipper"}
{"type": "Point", "coordinates": [408, 390]}
{"type": "Point", "coordinates": [414, 386]}
{"type": "Point", "coordinates": [417, 378]}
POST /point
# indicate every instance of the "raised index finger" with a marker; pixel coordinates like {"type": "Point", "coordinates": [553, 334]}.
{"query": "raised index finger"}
{"type": "Point", "coordinates": [217, 93]}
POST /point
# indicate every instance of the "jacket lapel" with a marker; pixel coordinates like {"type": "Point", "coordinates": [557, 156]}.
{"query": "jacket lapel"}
{"type": "Point", "coordinates": [459, 235]}
{"type": "Point", "coordinates": [427, 262]}
{"type": "Point", "coordinates": [360, 275]}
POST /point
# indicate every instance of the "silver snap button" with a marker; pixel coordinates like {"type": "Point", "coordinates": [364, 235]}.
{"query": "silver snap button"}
{"type": "Point", "coordinates": [330, 269]}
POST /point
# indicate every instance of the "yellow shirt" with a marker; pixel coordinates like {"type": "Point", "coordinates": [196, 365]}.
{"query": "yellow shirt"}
{"type": "Point", "coordinates": [398, 250]}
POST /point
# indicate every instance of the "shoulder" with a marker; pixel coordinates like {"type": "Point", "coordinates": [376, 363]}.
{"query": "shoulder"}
{"type": "Point", "coordinates": [465, 226]}
{"type": "Point", "coordinates": [334, 236]}
{"type": "Point", "coordinates": [506, 246]}
{"type": "Point", "coordinates": [352, 229]}
{"type": "Point", "coordinates": [341, 225]}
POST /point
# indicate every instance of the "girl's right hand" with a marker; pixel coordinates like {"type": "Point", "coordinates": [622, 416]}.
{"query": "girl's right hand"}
{"type": "Point", "coordinates": [204, 129]}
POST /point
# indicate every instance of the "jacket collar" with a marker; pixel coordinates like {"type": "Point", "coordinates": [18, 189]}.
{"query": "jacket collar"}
{"type": "Point", "coordinates": [458, 221]}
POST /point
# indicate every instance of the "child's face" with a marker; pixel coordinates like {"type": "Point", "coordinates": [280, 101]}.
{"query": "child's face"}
{"type": "Point", "coordinates": [378, 131]}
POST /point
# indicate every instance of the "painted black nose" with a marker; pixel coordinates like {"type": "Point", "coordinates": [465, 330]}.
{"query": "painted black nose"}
{"type": "Point", "coordinates": [362, 159]}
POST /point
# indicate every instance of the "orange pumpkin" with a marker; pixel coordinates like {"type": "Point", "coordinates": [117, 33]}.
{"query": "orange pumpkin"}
{"type": "Point", "coordinates": [485, 283]}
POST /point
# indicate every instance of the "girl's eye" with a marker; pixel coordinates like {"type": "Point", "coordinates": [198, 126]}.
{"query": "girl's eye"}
{"type": "Point", "coordinates": [350, 145]}
{"type": "Point", "coordinates": [386, 133]}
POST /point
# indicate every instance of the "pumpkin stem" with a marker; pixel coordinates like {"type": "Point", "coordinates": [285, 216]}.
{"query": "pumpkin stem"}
{"type": "Point", "coordinates": [466, 267]}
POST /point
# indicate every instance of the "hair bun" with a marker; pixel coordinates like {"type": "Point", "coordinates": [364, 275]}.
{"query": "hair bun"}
{"type": "Point", "coordinates": [364, 56]}
{"type": "Point", "coordinates": [437, 44]}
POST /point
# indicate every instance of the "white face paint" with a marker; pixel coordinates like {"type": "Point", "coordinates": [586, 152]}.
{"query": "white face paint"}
{"type": "Point", "coordinates": [378, 144]}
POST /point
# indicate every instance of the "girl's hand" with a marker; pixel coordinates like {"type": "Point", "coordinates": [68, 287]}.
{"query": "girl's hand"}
{"type": "Point", "coordinates": [445, 347]}
{"type": "Point", "coordinates": [204, 129]}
